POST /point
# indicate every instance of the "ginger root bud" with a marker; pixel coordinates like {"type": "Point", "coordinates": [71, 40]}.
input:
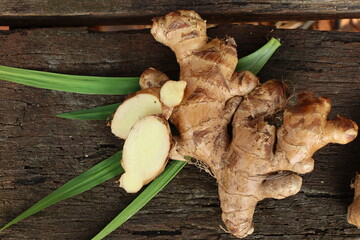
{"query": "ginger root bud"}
{"type": "Point", "coordinates": [151, 78]}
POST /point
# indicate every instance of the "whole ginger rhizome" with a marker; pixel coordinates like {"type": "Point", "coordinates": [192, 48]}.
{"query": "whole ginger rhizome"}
{"type": "Point", "coordinates": [256, 160]}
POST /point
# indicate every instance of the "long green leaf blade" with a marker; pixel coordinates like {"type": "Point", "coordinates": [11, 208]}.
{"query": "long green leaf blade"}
{"type": "Point", "coordinates": [156, 186]}
{"type": "Point", "coordinates": [101, 172]}
{"type": "Point", "coordinates": [71, 83]}
{"type": "Point", "coordinates": [98, 113]}
{"type": "Point", "coordinates": [255, 61]}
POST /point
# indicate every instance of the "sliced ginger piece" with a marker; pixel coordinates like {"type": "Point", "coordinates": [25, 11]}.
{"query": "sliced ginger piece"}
{"type": "Point", "coordinates": [142, 104]}
{"type": "Point", "coordinates": [145, 152]}
{"type": "Point", "coordinates": [172, 93]}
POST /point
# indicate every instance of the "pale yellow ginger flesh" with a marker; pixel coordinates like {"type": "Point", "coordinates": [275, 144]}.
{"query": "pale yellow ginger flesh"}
{"type": "Point", "coordinates": [142, 159]}
{"type": "Point", "coordinates": [144, 103]}
{"type": "Point", "coordinates": [255, 159]}
{"type": "Point", "coordinates": [172, 93]}
{"type": "Point", "coordinates": [353, 214]}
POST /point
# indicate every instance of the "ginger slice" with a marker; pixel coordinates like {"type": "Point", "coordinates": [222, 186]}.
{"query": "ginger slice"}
{"type": "Point", "coordinates": [172, 93]}
{"type": "Point", "coordinates": [145, 152]}
{"type": "Point", "coordinates": [143, 103]}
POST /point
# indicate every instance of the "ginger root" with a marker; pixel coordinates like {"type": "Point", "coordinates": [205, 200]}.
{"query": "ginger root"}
{"type": "Point", "coordinates": [222, 121]}
{"type": "Point", "coordinates": [353, 214]}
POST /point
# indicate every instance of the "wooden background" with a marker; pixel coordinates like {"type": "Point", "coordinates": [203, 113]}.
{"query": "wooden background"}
{"type": "Point", "coordinates": [84, 12]}
{"type": "Point", "coordinates": [39, 152]}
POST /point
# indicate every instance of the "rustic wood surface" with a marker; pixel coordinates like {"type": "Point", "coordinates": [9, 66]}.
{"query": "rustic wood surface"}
{"type": "Point", "coordinates": [83, 12]}
{"type": "Point", "coordinates": [40, 152]}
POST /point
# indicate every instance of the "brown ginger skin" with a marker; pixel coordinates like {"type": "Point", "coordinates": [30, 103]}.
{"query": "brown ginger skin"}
{"type": "Point", "coordinates": [152, 78]}
{"type": "Point", "coordinates": [353, 214]}
{"type": "Point", "coordinates": [256, 160]}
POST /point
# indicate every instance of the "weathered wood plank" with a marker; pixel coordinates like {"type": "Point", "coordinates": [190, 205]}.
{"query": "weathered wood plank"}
{"type": "Point", "coordinates": [71, 12]}
{"type": "Point", "coordinates": [39, 152]}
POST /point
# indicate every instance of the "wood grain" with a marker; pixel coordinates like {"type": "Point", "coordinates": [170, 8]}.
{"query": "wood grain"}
{"type": "Point", "coordinates": [39, 152]}
{"type": "Point", "coordinates": [85, 13]}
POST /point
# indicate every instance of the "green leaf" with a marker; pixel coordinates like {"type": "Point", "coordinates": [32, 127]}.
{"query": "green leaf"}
{"type": "Point", "coordinates": [99, 113]}
{"type": "Point", "coordinates": [154, 188]}
{"type": "Point", "coordinates": [101, 172]}
{"type": "Point", "coordinates": [71, 83]}
{"type": "Point", "coordinates": [256, 60]}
